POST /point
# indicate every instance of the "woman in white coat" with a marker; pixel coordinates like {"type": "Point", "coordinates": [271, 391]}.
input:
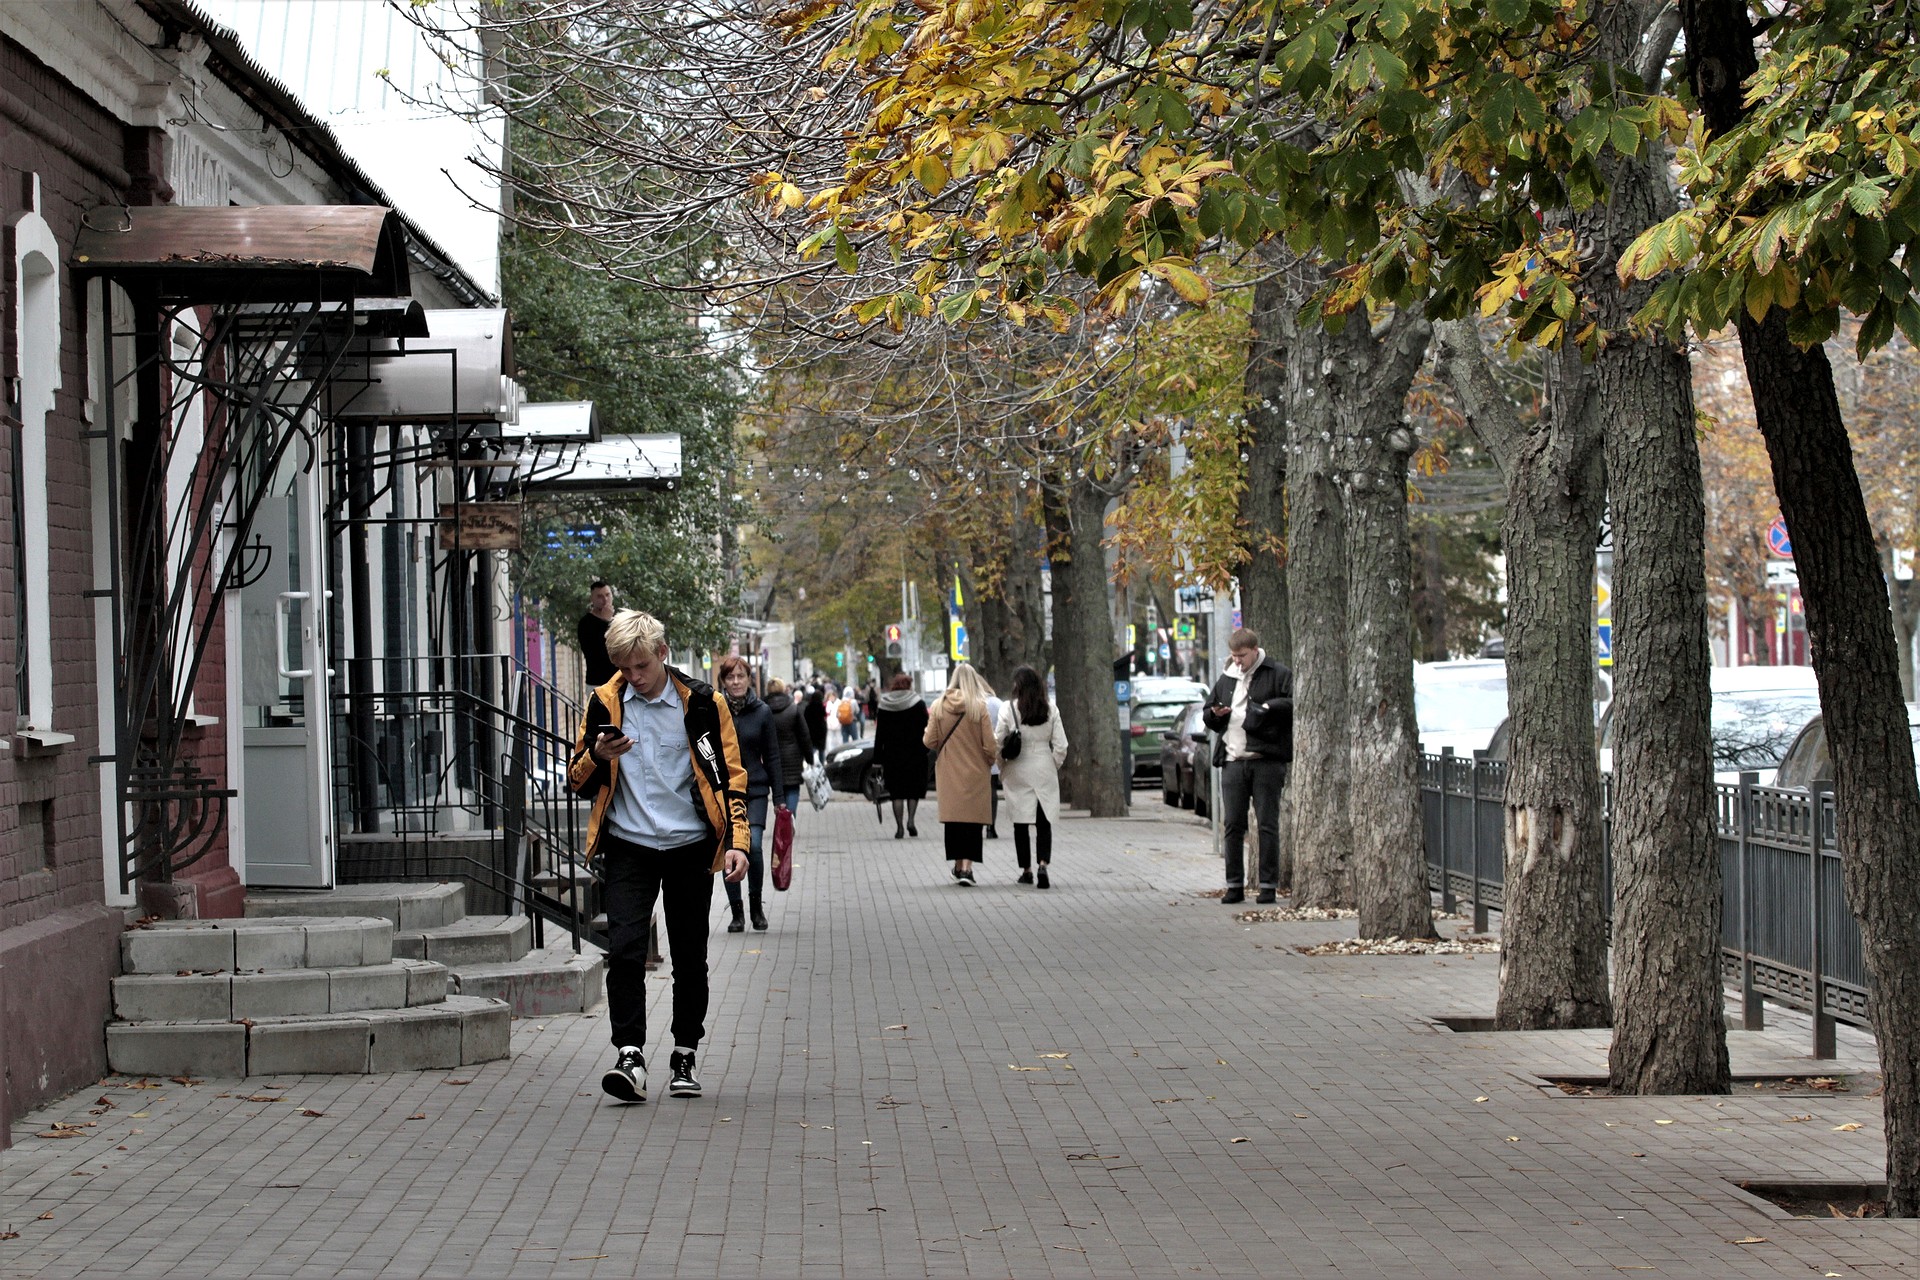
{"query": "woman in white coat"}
{"type": "Point", "coordinates": [1030, 775]}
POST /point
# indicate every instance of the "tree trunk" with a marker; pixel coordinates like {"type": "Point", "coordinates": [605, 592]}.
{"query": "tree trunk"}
{"type": "Point", "coordinates": [1553, 932]}
{"type": "Point", "coordinates": [1669, 1024]}
{"type": "Point", "coordinates": [1084, 649]}
{"type": "Point", "coordinates": [1850, 634]}
{"type": "Point", "coordinates": [1321, 837]}
{"type": "Point", "coordinates": [1372, 374]}
{"type": "Point", "coordinates": [1430, 595]}
{"type": "Point", "coordinates": [1263, 504]}
{"type": "Point", "coordinates": [1906, 612]}
{"type": "Point", "coordinates": [1007, 626]}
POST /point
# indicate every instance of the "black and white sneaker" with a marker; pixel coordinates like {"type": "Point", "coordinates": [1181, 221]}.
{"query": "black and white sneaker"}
{"type": "Point", "coordinates": [626, 1079]}
{"type": "Point", "coordinates": [684, 1083]}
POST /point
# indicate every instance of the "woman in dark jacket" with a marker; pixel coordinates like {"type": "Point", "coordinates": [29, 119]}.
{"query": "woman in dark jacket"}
{"type": "Point", "coordinates": [796, 745]}
{"type": "Point", "coordinates": [898, 727]}
{"type": "Point", "coordinates": [815, 715]}
{"type": "Point", "coordinates": [760, 753]}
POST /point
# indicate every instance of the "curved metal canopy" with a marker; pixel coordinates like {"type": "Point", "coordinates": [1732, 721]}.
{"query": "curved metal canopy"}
{"type": "Point", "coordinates": [240, 253]}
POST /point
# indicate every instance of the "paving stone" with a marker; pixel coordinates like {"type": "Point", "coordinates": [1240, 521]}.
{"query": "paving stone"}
{"type": "Point", "coordinates": [195, 1049]}
{"type": "Point", "coordinates": [282, 947]}
{"type": "Point", "coordinates": [415, 1039]}
{"type": "Point", "coordinates": [382, 986]}
{"type": "Point", "coordinates": [279, 993]}
{"type": "Point", "coordinates": [886, 1006]}
{"type": "Point", "coordinates": [169, 950]}
{"type": "Point", "coordinates": [141, 997]}
{"type": "Point", "coordinates": [307, 1046]}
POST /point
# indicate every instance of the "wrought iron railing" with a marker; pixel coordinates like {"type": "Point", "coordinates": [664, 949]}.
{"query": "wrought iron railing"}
{"type": "Point", "coordinates": [1786, 933]}
{"type": "Point", "coordinates": [457, 766]}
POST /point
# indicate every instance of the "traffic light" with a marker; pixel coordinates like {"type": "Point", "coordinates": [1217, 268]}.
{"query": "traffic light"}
{"type": "Point", "coordinates": [840, 657]}
{"type": "Point", "coordinates": [896, 641]}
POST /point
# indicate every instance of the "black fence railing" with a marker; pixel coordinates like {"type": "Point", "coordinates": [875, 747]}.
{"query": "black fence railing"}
{"type": "Point", "coordinates": [1786, 932]}
{"type": "Point", "coordinates": [456, 767]}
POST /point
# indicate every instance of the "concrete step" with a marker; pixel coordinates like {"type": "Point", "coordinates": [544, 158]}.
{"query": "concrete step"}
{"type": "Point", "coordinates": [217, 997]}
{"type": "Point", "coordinates": [456, 1032]}
{"type": "Point", "coordinates": [472, 940]}
{"type": "Point", "coordinates": [409, 906]}
{"type": "Point", "coordinates": [279, 943]}
{"type": "Point", "coordinates": [549, 981]}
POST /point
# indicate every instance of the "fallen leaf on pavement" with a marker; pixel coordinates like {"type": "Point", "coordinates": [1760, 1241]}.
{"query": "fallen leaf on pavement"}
{"type": "Point", "coordinates": [1053, 1055]}
{"type": "Point", "coordinates": [418, 1115]}
{"type": "Point", "coordinates": [1241, 1140]}
{"type": "Point", "coordinates": [1481, 1098]}
{"type": "Point", "coordinates": [1750, 1240]}
{"type": "Point", "coordinates": [9, 1235]}
{"type": "Point", "coordinates": [1845, 1128]}
{"type": "Point", "coordinates": [309, 1111]}
{"type": "Point", "coordinates": [1663, 1122]}
{"type": "Point", "coordinates": [1512, 1138]}
{"type": "Point", "coordinates": [1796, 1119]}
{"type": "Point", "coordinates": [46, 1217]}
{"type": "Point", "coordinates": [1011, 1067]}
{"type": "Point", "coordinates": [898, 1026]}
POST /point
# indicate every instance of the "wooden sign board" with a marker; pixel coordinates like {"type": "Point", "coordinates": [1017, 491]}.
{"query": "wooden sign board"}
{"type": "Point", "coordinates": [482, 526]}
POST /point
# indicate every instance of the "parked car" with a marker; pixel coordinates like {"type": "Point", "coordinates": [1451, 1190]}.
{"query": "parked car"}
{"type": "Point", "coordinates": [1157, 702]}
{"type": "Point", "coordinates": [849, 764]}
{"type": "Point", "coordinates": [1459, 704]}
{"type": "Point", "coordinates": [1755, 715]}
{"type": "Point", "coordinates": [1186, 762]}
{"type": "Point", "coordinates": [1809, 760]}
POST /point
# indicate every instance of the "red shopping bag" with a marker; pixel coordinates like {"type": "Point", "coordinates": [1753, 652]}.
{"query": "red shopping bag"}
{"type": "Point", "coordinates": [782, 849]}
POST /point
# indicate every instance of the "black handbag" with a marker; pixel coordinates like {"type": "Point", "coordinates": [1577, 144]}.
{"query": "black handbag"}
{"type": "Point", "coordinates": [1010, 749]}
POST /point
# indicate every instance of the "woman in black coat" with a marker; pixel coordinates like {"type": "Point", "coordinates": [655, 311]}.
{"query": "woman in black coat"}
{"type": "Point", "coordinates": [815, 715]}
{"type": "Point", "coordinates": [796, 744]}
{"type": "Point", "coordinates": [760, 753]}
{"type": "Point", "coordinates": [899, 749]}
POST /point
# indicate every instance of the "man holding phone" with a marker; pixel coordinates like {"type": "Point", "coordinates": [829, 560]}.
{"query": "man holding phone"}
{"type": "Point", "coordinates": [658, 756]}
{"type": "Point", "coordinates": [1251, 711]}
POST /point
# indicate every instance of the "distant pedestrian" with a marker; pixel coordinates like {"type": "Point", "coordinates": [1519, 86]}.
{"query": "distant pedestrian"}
{"type": "Point", "coordinates": [1031, 779]}
{"type": "Point", "coordinates": [658, 757]}
{"type": "Point", "coordinates": [1251, 714]}
{"type": "Point", "coordinates": [900, 749]}
{"type": "Point", "coordinates": [994, 707]}
{"type": "Point", "coordinates": [814, 713]}
{"type": "Point", "coordinates": [847, 712]}
{"type": "Point", "coordinates": [961, 736]}
{"type": "Point", "coordinates": [592, 633]}
{"type": "Point", "coordinates": [796, 748]}
{"type": "Point", "coordinates": [766, 781]}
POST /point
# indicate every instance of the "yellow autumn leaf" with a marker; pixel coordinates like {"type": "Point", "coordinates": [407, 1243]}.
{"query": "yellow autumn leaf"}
{"type": "Point", "coordinates": [1845, 1128]}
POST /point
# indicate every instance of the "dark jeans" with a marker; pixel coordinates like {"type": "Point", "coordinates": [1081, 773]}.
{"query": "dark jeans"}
{"type": "Point", "coordinates": [963, 840]}
{"type": "Point", "coordinates": [1020, 850]}
{"type": "Point", "coordinates": [756, 865]}
{"type": "Point", "coordinates": [683, 880]}
{"type": "Point", "coordinates": [1261, 782]}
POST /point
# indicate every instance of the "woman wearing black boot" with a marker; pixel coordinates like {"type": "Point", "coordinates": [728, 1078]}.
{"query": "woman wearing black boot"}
{"type": "Point", "coordinates": [760, 752]}
{"type": "Point", "coordinates": [898, 724]}
{"type": "Point", "coordinates": [1030, 773]}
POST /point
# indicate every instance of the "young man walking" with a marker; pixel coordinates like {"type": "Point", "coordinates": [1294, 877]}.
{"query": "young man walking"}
{"type": "Point", "coordinates": [592, 633]}
{"type": "Point", "coordinates": [1251, 709]}
{"type": "Point", "coordinates": [658, 756]}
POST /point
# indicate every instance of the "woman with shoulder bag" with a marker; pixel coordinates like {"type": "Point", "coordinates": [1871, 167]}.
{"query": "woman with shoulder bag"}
{"type": "Point", "coordinates": [899, 727]}
{"type": "Point", "coordinates": [766, 782]}
{"type": "Point", "coordinates": [965, 752]}
{"type": "Point", "coordinates": [1033, 746]}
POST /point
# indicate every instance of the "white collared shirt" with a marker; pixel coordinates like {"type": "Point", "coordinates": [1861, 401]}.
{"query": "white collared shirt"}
{"type": "Point", "coordinates": [1237, 721]}
{"type": "Point", "coordinates": [654, 805]}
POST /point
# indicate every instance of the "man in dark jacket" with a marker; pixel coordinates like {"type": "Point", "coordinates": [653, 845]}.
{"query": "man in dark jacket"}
{"type": "Point", "coordinates": [1250, 712]}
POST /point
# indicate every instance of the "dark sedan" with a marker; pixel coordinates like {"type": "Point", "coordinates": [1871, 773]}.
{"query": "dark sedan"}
{"type": "Point", "coordinates": [849, 764]}
{"type": "Point", "coordinates": [1186, 762]}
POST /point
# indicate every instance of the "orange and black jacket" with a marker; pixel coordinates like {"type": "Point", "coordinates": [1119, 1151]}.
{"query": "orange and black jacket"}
{"type": "Point", "coordinates": [719, 779]}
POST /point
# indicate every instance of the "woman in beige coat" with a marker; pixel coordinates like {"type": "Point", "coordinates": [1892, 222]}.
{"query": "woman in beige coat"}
{"type": "Point", "coordinates": [962, 737]}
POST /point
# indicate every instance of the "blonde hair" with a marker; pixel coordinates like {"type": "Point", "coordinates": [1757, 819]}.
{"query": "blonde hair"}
{"type": "Point", "coordinates": [776, 685]}
{"type": "Point", "coordinates": [971, 684]}
{"type": "Point", "coordinates": [632, 630]}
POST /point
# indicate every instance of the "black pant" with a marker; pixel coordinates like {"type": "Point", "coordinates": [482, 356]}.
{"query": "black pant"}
{"type": "Point", "coordinates": [1020, 850]}
{"type": "Point", "coordinates": [683, 879]}
{"type": "Point", "coordinates": [756, 864]}
{"type": "Point", "coordinates": [1260, 781]}
{"type": "Point", "coordinates": [964, 840]}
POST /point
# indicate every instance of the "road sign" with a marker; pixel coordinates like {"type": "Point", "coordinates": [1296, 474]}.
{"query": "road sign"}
{"type": "Point", "coordinates": [1777, 541]}
{"type": "Point", "coordinates": [1192, 599]}
{"type": "Point", "coordinates": [1605, 630]}
{"type": "Point", "coordinates": [1166, 651]}
{"type": "Point", "coordinates": [1782, 574]}
{"type": "Point", "coordinates": [1123, 690]}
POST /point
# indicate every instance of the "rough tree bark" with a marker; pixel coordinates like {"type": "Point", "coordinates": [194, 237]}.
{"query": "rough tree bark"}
{"type": "Point", "coordinates": [1321, 836]}
{"type": "Point", "coordinates": [1669, 1010]}
{"type": "Point", "coordinates": [1007, 625]}
{"type": "Point", "coordinates": [1372, 442]}
{"type": "Point", "coordinates": [1850, 631]}
{"type": "Point", "coordinates": [1263, 504]}
{"type": "Point", "coordinates": [1553, 932]}
{"type": "Point", "coordinates": [1075, 511]}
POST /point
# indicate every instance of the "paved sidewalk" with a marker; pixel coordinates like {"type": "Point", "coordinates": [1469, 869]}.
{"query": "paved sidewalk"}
{"type": "Point", "coordinates": [907, 1077]}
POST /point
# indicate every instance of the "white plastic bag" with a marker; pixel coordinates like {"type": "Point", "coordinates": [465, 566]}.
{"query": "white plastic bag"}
{"type": "Point", "coordinates": [819, 790]}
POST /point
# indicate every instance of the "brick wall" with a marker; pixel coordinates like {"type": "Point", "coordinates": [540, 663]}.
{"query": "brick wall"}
{"type": "Point", "coordinates": [58, 941]}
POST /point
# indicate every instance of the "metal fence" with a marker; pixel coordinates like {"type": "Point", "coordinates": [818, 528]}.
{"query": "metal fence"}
{"type": "Point", "coordinates": [1785, 930]}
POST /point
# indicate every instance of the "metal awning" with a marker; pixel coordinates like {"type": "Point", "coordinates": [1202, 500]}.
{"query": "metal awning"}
{"type": "Point", "coordinates": [362, 317]}
{"type": "Point", "coordinates": [238, 253]}
{"type": "Point", "coordinates": [617, 464]}
{"type": "Point", "coordinates": [457, 374]}
{"type": "Point", "coordinates": [555, 422]}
